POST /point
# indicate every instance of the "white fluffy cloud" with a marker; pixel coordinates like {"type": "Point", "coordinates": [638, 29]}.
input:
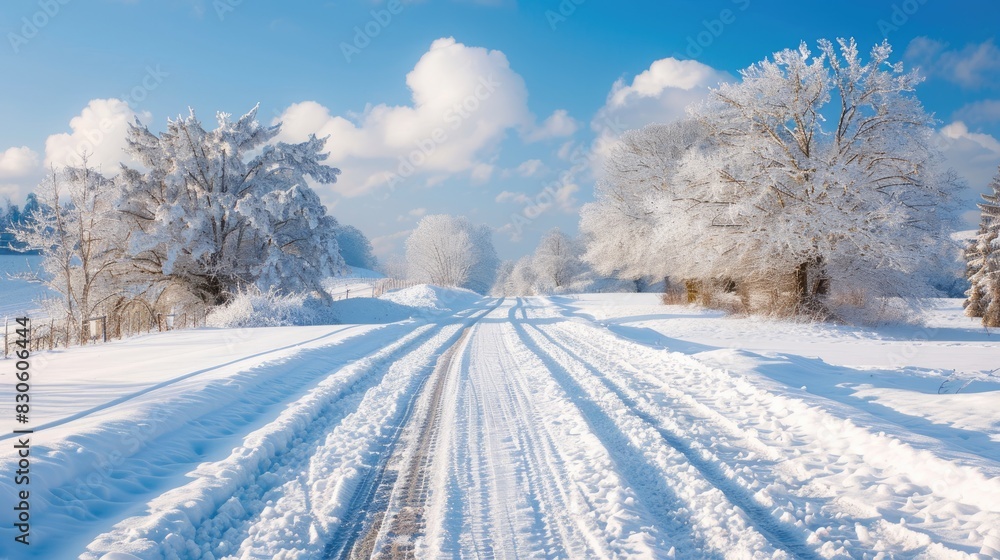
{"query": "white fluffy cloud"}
{"type": "Point", "coordinates": [98, 131]}
{"type": "Point", "coordinates": [18, 162]}
{"type": "Point", "coordinates": [465, 99]}
{"type": "Point", "coordinates": [558, 125]}
{"type": "Point", "coordinates": [659, 94]}
{"type": "Point", "coordinates": [975, 156]}
{"type": "Point", "coordinates": [530, 167]}
{"type": "Point", "coordinates": [973, 66]}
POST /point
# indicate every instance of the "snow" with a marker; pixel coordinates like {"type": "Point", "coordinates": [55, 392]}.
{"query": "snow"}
{"type": "Point", "coordinates": [20, 296]}
{"type": "Point", "coordinates": [433, 299]}
{"type": "Point", "coordinates": [598, 426]}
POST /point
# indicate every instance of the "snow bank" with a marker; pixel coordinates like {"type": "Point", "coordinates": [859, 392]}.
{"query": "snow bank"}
{"type": "Point", "coordinates": [259, 309]}
{"type": "Point", "coordinates": [434, 300]}
{"type": "Point", "coordinates": [369, 311]}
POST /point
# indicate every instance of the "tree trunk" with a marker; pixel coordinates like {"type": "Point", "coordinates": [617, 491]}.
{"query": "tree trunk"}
{"type": "Point", "coordinates": [991, 315]}
{"type": "Point", "coordinates": [801, 276]}
{"type": "Point", "coordinates": [693, 288]}
{"type": "Point", "coordinates": [809, 295]}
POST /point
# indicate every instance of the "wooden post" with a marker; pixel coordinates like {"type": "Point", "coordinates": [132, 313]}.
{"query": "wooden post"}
{"type": "Point", "coordinates": [5, 338]}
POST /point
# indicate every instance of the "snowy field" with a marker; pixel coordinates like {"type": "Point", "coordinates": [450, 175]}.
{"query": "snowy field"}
{"type": "Point", "coordinates": [592, 426]}
{"type": "Point", "coordinates": [19, 296]}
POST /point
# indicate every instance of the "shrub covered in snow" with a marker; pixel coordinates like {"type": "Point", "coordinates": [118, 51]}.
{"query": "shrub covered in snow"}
{"type": "Point", "coordinates": [252, 307]}
{"type": "Point", "coordinates": [451, 251]}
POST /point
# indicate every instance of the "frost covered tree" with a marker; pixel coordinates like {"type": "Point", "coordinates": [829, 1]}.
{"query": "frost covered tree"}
{"type": "Point", "coordinates": [73, 223]}
{"type": "Point", "coordinates": [557, 261]}
{"type": "Point", "coordinates": [824, 172]}
{"type": "Point", "coordinates": [983, 257]}
{"type": "Point", "coordinates": [554, 267]}
{"type": "Point", "coordinates": [643, 223]}
{"type": "Point", "coordinates": [502, 284]}
{"type": "Point", "coordinates": [812, 173]}
{"type": "Point", "coordinates": [523, 278]}
{"type": "Point", "coordinates": [451, 251]}
{"type": "Point", "coordinates": [216, 210]}
{"type": "Point", "coordinates": [355, 247]}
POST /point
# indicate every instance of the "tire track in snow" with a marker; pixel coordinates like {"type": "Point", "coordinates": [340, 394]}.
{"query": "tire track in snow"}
{"type": "Point", "coordinates": [781, 536]}
{"type": "Point", "coordinates": [505, 449]}
{"type": "Point", "coordinates": [224, 497]}
{"type": "Point", "coordinates": [812, 454]}
{"type": "Point", "coordinates": [131, 396]}
{"type": "Point", "coordinates": [104, 471]}
{"type": "Point", "coordinates": [370, 499]}
{"type": "Point", "coordinates": [404, 519]}
{"type": "Point", "coordinates": [664, 503]}
{"type": "Point", "coordinates": [497, 494]}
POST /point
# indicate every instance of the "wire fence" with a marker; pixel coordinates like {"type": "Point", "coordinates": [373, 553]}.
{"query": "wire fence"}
{"type": "Point", "coordinates": [48, 333]}
{"type": "Point", "coordinates": [133, 319]}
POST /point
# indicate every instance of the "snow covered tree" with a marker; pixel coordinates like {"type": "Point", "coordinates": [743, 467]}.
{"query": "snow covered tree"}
{"type": "Point", "coordinates": [858, 202]}
{"type": "Point", "coordinates": [451, 251]}
{"type": "Point", "coordinates": [394, 266]}
{"type": "Point", "coordinates": [502, 284]}
{"type": "Point", "coordinates": [554, 267]}
{"type": "Point", "coordinates": [810, 174]}
{"type": "Point", "coordinates": [523, 279]}
{"type": "Point", "coordinates": [208, 215]}
{"type": "Point", "coordinates": [556, 261]}
{"type": "Point", "coordinates": [72, 222]}
{"type": "Point", "coordinates": [355, 247]}
{"type": "Point", "coordinates": [645, 222]}
{"type": "Point", "coordinates": [983, 257]}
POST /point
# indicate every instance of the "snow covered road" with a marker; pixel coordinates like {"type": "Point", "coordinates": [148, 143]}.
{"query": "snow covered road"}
{"type": "Point", "coordinates": [515, 429]}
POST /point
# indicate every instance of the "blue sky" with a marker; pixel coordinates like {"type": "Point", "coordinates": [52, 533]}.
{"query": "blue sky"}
{"type": "Point", "coordinates": [540, 82]}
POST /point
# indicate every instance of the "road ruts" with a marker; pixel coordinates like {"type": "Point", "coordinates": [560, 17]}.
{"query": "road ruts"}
{"type": "Point", "coordinates": [359, 535]}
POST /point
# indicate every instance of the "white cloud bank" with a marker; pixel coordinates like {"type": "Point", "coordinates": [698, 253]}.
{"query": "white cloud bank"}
{"type": "Point", "coordinates": [18, 162]}
{"type": "Point", "coordinates": [99, 132]}
{"type": "Point", "coordinates": [464, 101]}
{"type": "Point", "coordinates": [974, 66]}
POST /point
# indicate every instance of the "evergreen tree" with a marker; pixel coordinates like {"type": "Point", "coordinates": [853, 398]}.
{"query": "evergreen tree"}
{"type": "Point", "coordinates": [983, 258]}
